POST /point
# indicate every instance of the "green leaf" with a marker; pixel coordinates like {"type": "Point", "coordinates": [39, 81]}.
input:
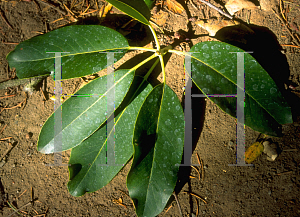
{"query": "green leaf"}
{"type": "Point", "coordinates": [137, 9]}
{"type": "Point", "coordinates": [88, 170]}
{"type": "Point", "coordinates": [158, 147]}
{"type": "Point", "coordinates": [81, 116]}
{"type": "Point", "coordinates": [149, 3]}
{"type": "Point", "coordinates": [84, 44]}
{"type": "Point", "coordinates": [214, 71]}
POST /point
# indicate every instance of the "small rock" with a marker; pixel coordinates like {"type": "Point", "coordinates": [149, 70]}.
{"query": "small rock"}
{"type": "Point", "coordinates": [230, 145]}
{"type": "Point", "coordinates": [29, 135]}
{"type": "Point", "coordinates": [270, 150]}
{"type": "Point", "coordinates": [2, 163]}
{"type": "Point", "coordinates": [268, 5]}
{"type": "Point", "coordinates": [234, 6]}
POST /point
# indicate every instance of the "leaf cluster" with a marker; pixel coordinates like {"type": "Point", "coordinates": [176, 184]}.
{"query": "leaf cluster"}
{"type": "Point", "coordinates": [144, 122]}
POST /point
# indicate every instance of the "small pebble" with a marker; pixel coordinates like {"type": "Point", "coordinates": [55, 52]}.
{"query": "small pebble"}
{"type": "Point", "coordinates": [29, 135]}
{"type": "Point", "coordinates": [2, 163]}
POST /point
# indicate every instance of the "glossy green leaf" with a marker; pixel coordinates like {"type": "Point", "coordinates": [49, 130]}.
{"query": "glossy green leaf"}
{"type": "Point", "coordinates": [137, 9]}
{"type": "Point", "coordinates": [158, 147]}
{"type": "Point", "coordinates": [81, 116]}
{"type": "Point", "coordinates": [86, 47]}
{"type": "Point", "coordinates": [89, 171]}
{"type": "Point", "coordinates": [149, 3]}
{"type": "Point", "coordinates": [214, 71]}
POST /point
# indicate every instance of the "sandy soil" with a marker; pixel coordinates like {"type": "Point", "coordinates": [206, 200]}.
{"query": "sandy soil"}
{"type": "Point", "coordinates": [265, 189]}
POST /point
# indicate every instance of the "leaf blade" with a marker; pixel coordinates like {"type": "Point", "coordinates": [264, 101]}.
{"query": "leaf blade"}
{"type": "Point", "coordinates": [81, 116]}
{"type": "Point", "coordinates": [137, 9]}
{"type": "Point", "coordinates": [84, 45]}
{"type": "Point", "coordinates": [263, 100]}
{"type": "Point", "coordinates": [159, 138]}
{"type": "Point", "coordinates": [88, 172]}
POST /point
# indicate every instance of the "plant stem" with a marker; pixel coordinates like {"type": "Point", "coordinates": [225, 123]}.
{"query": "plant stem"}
{"type": "Point", "coordinates": [155, 37]}
{"type": "Point", "coordinates": [216, 8]}
{"type": "Point", "coordinates": [163, 67]}
{"type": "Point", "coordinates": [179, 52]}
{"type": "Point", "coordinates": [143, 62]}
{"type": "Point", "coordinates": [17, 82]}
{"type": "Point", "coordinates": [134, 68]}
{"type": "Point", "coordinates": [150, 70]}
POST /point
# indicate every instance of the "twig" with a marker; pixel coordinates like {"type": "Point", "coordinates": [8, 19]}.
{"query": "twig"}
{"type": "Point", "coordinates": [71, 13]}
{"type": "Point", "coordinates": [3, 109]}
{"type": "Point", "coordinates": [197, 171]}
{"type": "Point", "coordinates": [3, 139]}
{"type": "Point", "coordinates": [197, 212]}
{"type": "Point", "coordinates": [177, 204]}
{"type": "Point", "coordinates": [3, 128]}
{"type": "Point", "coordinates": [22, 193]}
{"type": "Point", "coordinates": [17, 82]}
{"type": "Point", "coordinates": [52, 6]}
{"type": "Point", "coordinates": [57, 20]}
{"type": "Point", "coordinates": [202, 170]}
{"type": "Point", "coordinates": [37, 5]}
{"type": "Point", "coordinates": [283, 173]}
{"type": "Point", "coordinates": [198, 159]}
{"type": "Point", "coordinates": [286, 26]}
{"type": "Point", "coordinates": [297, 37]}
{"type": "Point", "coordinates": [216, 8]}
{"type": "Point", "coordinates": [280, 6]}
{"type": "Point", "coordinates": [3, 97]}
{"type": "Point", "coordinates": [168, 209]}
{"type": "Point", "coordinates": [2, 15]}
{"type": "Point", "coordinates": [85, 10]}
{"type": "Point", "coordinates": [295, 149]}
{"type": "Point", "coordinates": [19, 105]}
{"type": "Point", "coordinates": [10, 42]}
{"type": "Point", "coordinates": [192, 3]}
{"type": "Point", "coordinates": [88, 13]}
{"type": "Point", "coordinates": [195, 196]}
{"type": "Point", "coordinates": [36, 212]}
{"type": "Point", "coordinates": [7, 150]}
{"type": "Point", "coordinates": [16, 210]}
{"type": "Point", "coordinates": [25, 101]}
{"type": "Point", "coordinates": [289, 45]}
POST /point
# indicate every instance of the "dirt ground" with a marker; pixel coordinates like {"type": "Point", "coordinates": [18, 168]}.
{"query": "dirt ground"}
{"type": "Point", "coordinates": [265, 189]}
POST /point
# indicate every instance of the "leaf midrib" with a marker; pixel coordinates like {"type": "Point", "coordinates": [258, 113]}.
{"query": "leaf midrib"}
{"type": "Point", "coordinates": [74, 54]}
{"type": "Point", "coordinates": [246, 92]}
{"type": "Point", "coordinates": [91, 107]}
